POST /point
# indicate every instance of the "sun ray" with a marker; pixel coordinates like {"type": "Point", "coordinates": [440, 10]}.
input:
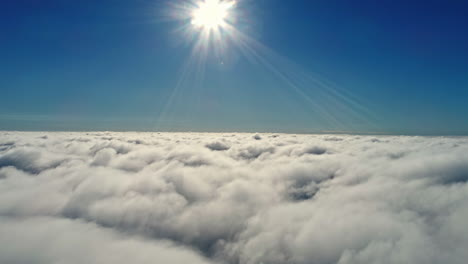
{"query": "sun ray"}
{"type": "Point", "coordinates": [213, 30]}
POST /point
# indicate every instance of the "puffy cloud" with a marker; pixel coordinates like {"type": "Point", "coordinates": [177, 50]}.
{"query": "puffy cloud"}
{"type": "Point", "coordinates": [53, 240]}
{"type": "Point", "coordinates": [217, 146]}
{"type": "Point", "coordinates": [232, 198]}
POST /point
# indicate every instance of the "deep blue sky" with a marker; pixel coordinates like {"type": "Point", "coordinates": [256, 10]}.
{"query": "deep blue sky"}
{"type": "Point", "coordinates": [114, 64]}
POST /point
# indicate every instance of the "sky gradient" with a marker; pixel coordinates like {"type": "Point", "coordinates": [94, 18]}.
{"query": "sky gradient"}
{"type": "Point", "coordinates": [392, 67]}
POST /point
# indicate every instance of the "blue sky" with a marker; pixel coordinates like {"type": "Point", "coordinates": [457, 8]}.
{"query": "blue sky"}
{"type": "Point", "coordinates": [397, 67]}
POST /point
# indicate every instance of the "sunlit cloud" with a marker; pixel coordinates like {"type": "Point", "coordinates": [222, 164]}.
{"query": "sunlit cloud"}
{"type": "Point", "coordinates": [232, 198]}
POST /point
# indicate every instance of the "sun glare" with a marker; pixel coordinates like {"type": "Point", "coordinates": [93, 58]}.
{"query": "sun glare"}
{"type": "Point", "coordinates": [211, 14]}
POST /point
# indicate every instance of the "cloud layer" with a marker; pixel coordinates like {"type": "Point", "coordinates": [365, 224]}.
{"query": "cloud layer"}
{"type": "Point", "coordinates": [232, 198]}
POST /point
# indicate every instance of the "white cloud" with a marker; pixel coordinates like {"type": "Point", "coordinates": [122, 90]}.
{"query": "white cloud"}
{"type": "Point", "coordinates": [234, 198]}
{"type": "Point", "coordinates": [52, 240]}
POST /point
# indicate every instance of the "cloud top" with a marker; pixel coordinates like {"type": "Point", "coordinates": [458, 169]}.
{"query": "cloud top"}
{"type": "Point", "coordinates": [232, 198]}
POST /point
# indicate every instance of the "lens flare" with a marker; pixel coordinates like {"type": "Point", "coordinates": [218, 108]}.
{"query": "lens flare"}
{"type": "Point", "coordinates": [218, 30]}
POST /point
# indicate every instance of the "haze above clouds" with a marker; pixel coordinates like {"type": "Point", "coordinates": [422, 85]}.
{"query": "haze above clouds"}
{"type": "Point", "coordinates": [232, 198]}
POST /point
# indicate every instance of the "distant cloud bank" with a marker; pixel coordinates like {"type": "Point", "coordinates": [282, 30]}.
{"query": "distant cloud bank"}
{"type": "Point", "coordinates": [232, 198]}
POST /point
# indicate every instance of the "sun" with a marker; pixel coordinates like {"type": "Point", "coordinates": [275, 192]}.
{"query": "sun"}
{"type": "Point", "coordinates": [211, 14]}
